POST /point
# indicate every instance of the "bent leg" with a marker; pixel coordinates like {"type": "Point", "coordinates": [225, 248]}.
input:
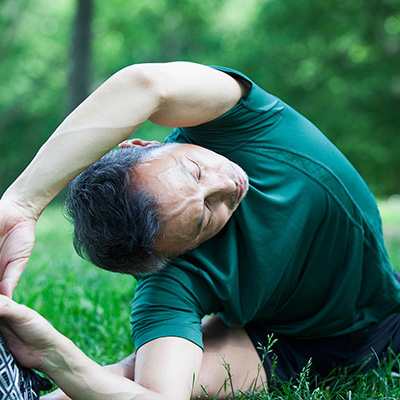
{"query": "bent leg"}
{"type": "Point", "coordinates": [229, 357]}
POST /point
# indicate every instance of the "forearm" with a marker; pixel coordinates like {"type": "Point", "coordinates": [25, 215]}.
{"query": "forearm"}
{"type": "Point", "coordinates": [111, 114]}
{"type": "Point", "coordinates": [161, 364]}
{"type": "Point", "coordinates": [172, 94]}
{"type": "Point", "coordinates": [81, 378]}
{"type": "Point", "coordinates": [123, 368]}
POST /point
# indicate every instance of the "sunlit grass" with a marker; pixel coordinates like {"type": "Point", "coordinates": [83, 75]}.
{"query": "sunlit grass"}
{"type": "Point", "coordinates": [390, 212]}
{"type": "Point", "coordinates": [92, 308]}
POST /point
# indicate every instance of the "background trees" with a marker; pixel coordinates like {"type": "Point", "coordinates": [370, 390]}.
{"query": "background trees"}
{"type": "Point", "coordinates": [337, 62]}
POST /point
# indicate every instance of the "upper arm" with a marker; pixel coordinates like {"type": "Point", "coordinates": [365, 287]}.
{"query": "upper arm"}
{"type": "Point", "coordinates": [168, 366]}
{"type": "Point", "coordinates": [166, 326]}
{"type": "Point", "coordinates": [189, 94]}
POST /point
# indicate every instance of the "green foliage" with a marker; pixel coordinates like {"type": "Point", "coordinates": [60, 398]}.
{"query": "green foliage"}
{"type": "Point", "coordinates": [390, 212]}
{"type": "Point", "coordinates": [33, 67]}
{"type": "Point", "coordinates": [335, 61]}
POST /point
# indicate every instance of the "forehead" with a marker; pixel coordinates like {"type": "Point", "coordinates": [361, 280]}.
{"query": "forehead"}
{"type": "Point", "coordinates": [163, 174]}
{"type": "Point", "coordinates": [171, 158]}
{"type": "Point", "coordinates": [161, 168]}
{"type": "Point", "coordinates": [157, 159]}
{"type": "Point", "coordinates": [167, 150]}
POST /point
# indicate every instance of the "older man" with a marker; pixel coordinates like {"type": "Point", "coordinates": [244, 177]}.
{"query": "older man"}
{"type": "Point", "coordinates": [301, 255]}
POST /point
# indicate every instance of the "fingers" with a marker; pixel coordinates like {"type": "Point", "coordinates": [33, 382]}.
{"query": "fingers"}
{"type": "Point", "coordinates": [29, 326]}
{"type": "Point", "coordinates": [17, 236]}
{"type": "Point", "coordinates": [11, 311]}
{"type": "Point", "coordinates": [7, 287]}
{"type": "Point", "coordinates": [11, 277]}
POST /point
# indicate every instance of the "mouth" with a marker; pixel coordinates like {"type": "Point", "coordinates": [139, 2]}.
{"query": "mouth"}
{"type": "Point", "coordinates": [241, 189]}
{"type": "Point", "coordinates": [242, 185]}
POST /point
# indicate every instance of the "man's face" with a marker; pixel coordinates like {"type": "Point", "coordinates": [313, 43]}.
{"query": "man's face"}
{"type": "Point", "coordinates": [197, 190]}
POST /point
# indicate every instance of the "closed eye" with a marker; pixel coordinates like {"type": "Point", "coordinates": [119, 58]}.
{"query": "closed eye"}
{"type": "Point", "coordinates": [199, 169]}
{"type": "Point", "coordinates": [209, 211]}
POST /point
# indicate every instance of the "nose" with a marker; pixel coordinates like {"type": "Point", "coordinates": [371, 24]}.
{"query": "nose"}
{"type": "Point", "coordinates": [220, 189]}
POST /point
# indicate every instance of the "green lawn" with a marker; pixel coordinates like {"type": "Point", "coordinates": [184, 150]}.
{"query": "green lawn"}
{"type": "Point", "coordinates": [92, 307]}
{"type": "Point", "coordinates": [390, 212]}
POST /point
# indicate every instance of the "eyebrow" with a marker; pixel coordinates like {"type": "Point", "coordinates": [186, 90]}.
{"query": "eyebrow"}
{"type": "Point", "coordinates": [189, 173]}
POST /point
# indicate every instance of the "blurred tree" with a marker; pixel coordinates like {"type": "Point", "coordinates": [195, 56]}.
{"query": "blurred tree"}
{"type": "Point", "coordinates": [338, 63]}
{"type": "Point", "coordinates": [33, 73]}
{"type": "Point", "coordinates": [80, 54]}
{"type": "Point", "coordinates": [335, 61]}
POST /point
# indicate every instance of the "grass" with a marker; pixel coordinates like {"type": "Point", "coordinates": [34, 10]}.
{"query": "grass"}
{"type": "Point", "coordinates": [92, 308]}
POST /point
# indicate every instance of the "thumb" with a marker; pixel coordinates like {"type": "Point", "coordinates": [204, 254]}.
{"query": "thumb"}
{"type": "Point", "coordinates": [10, 278]}
{"type": "Point", "coordinates": [7, 287]}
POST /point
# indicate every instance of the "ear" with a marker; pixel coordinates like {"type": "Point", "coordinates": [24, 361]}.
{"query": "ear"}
{"type": "Point", "coordinates": [136, 142]}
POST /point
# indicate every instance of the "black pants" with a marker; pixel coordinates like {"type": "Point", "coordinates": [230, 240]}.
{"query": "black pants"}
{"type": "Point", "coordinates": [362, 348]}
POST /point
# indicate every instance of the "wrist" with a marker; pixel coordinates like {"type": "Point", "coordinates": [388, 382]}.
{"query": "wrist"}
{"type": "Point", "coordinates": [25, 204]}
{"type": "Point", "coordinates": [79, 377]}
{"type": "Point", "coordinates": [61, 358]}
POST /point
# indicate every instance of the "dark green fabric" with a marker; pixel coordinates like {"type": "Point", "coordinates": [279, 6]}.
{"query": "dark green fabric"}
{"type": "Point", "coordinates": [304, 251]}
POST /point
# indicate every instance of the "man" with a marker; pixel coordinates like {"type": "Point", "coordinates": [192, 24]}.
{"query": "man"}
{"type": "Point", "coordinates": [301, 255]}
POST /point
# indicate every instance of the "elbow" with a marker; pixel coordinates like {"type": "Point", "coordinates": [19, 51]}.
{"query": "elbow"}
{"type": "Point", "coordinates": [144, 77]}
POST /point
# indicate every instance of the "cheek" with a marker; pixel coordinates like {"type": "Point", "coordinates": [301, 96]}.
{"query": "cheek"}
{"type": "Point", "coordinates": [221, 217]}
{"type": "Point", "coordinates": [213, 161]}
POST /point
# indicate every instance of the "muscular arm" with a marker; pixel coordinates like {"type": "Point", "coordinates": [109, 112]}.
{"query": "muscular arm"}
{"type": "Point", "coordinates": [125, 368]}
{"type": "Point", "coordinates": [172, 94]}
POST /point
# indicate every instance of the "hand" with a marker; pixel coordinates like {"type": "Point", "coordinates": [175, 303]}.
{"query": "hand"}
{"type": "Point", "coordinates": [35, 343]}
{"type": "Point", "coordinates": [17, 236]}
{"type": "Point", "coordinates": [137, 142]}
{"type": "Point", "coordinates": [29, 336]}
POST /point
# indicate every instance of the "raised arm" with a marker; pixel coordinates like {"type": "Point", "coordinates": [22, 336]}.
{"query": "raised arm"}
{"type": "Point", "coordinates": [172, 94]}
